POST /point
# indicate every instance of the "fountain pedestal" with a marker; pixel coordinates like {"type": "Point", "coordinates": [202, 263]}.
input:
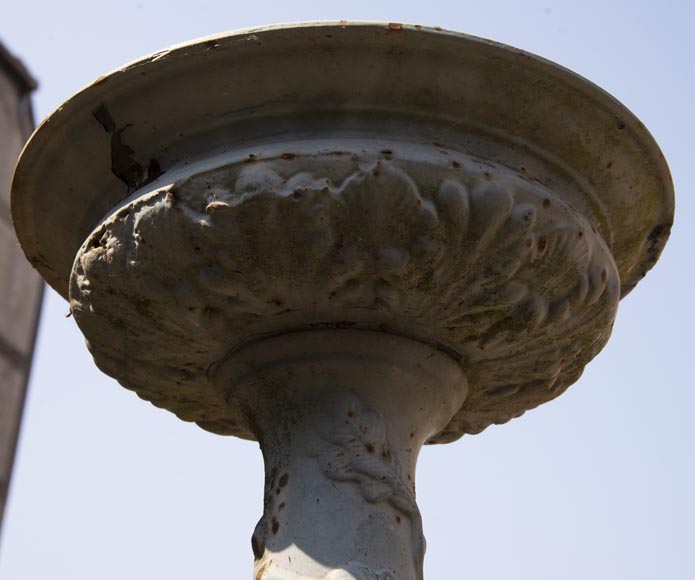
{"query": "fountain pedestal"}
{"type": "Point", "coordinates": [341, 416]}
{"type": "Point", "coordinates": [408, 237]}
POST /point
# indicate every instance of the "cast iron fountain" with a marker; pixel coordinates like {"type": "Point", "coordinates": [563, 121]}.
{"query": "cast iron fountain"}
{"type": "Point", "coordinates": [343, 241]}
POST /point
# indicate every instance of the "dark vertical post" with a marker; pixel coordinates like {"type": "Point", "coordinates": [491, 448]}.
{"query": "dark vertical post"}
{"type": "Point", "coordinates": [20, 287]}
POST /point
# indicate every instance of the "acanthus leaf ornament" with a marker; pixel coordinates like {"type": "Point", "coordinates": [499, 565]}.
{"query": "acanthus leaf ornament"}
{"type": "Point", "coordinates": [478, 261]}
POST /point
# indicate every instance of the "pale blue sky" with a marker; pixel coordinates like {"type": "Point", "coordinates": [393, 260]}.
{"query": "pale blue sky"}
{"type": "Point", "coordinates": [595, 485]}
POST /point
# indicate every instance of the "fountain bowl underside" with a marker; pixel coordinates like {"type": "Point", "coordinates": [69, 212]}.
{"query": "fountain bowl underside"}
{"type": "Point", "coordinates": [388, 178]}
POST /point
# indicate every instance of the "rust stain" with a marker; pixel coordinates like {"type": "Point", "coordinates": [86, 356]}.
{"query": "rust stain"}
{"type": "Point", "coordinates": [262, 570]}
{"type": "Point", "coordinates": [395, 26]}
{"type": "Point", "coordinates": [655, 242]}
{"type": "Point", "coordinates": [123, 163]}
